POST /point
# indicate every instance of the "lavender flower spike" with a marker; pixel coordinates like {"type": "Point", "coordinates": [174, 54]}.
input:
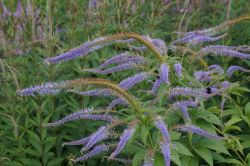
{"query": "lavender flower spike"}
{"type": "Point", "coordinates": [185, 103]}
{"type": "Point", "coordinates": [156, 85]}
{"type": "Point", "coordinates": [165, 144]}
{"type": "Point", "coordinates": [201, 39]}
{"type": "Point", "coordinates": [121, 58]}
{"type": "Point", "coordinates": [164, 70]}
{"type": "Point", "coordinates": [203, 76]}
{"type": "Point", "coordinates": [197, 130]}
{"type": "Point", "coordinates": [80, 115]}
{"type": "Point", "coordinates": [97, 150]}
{"type": "Point", "coordinates": [178, 69]}
{"type": "Point", "coordinates": [220, 50]}
{"type": "Point", "coordinates": [131, 81]}
{"type": "Point", "coordinates": [116, 102]}
{"type": "Point", "coordinates": [232, 69]}
{"type": "Point", "coordinates": [126, 135]}
{"type": "Point", "coordinates": [184, 113]}
{"type": "Point", "coordinates": [101, 134]}
{"type": "Point", "coordinates": [19, 9]}
{"type": "Point", "coordinates": [77, 142]}
{"type": "Point", "coordinates": [94, 92]}
{"type": "Point", "coordinates": [185, 91]}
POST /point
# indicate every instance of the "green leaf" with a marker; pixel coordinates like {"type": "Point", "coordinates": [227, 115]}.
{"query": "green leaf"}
{"type": "Point", "coordinates": [209, 117]}
{"type": "Point", "coordinates": [49, 144]}
{"type": "Point", "coordinates": [214, 145]}
{"type": "Point", "coordinates": [175, 158]}
{"type": "Point", "coordinates": [182, 149]}
{"type": "Point", "coordinates": [31, 162]}
{"type": "Point", "coordinates": [188, 160]}
{"type": "Point", "coordinates": [55, 162]}
{"type": "Point", "coordinates": [159, 159]}
{"type": "Point", "coordinates": [247, 110]}
{"type": "Point", "coordinates": [138, 158]}
{"type": "Point", "coordinates": [205, 154]}
{"type": "Point", "coordinates": [233, 120]}
{"type": "Point", "coordinates": [144, 133]}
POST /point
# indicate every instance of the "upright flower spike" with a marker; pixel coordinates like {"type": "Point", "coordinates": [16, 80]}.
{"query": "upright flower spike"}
{"type": "Point", "coordinates": [95, 151]}
{"type": "Point", "coordinates": [198, 131]}
{"type": "Point", "coordinates": [81, 115]}
{"type": "Point", "coordinates": [165, 143]}
{"type": "Point", "coordinates": [178, 69]}
{"type": "Point", "coordinates": [232, 69]}
{"type": "Point", "coordinates": [19, 10]}
{"type": "Point", "coordinates": [164, 70]}
{"type": "Point", "coordinates": [184, 113]}
{"type": "Point", "coordinates": [125, 136]}
{"type": "Point", "coordinates": [133, 80]}
{"type": "Point", "coordinates": [156, 85]}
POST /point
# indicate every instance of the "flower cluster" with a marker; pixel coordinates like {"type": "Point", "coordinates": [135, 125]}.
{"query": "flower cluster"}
{"type": "Point", "coordinates": [188, 92]}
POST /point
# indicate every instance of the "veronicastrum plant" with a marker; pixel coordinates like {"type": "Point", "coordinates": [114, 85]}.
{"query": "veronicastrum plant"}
{"type": "Point", "coordinates": [147, 126]}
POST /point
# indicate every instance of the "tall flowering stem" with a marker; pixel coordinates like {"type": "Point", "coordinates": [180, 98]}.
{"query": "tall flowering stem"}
{"type": "Point", "coordinates": [88, 81]}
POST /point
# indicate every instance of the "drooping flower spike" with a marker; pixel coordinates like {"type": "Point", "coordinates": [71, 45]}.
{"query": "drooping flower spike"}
{"type": "Point", "coordinates": [232, 69]}
{"type": "Point", "coordinates": [94, 92]}
{"type": "Point", "coordinates": [95, 151]}
{"type": "Point", "coordinates": [116, 102]}
{"type": "Point", "coordinates": [165, 143]}
{"type": "Point", "coordinates": [77, 142]}
{"type": "Point", "coordinates": [197, 130]}
{"type": "Point", "coordinates": [98, 43]}
{"type": "Point", "coordinates": [81, 115]}
{"type": "Point", "coordinates": [122, 58]}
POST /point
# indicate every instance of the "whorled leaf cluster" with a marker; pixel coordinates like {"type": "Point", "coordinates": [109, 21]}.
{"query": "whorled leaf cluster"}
{"type": "Point", "coordinates": [159, 69]}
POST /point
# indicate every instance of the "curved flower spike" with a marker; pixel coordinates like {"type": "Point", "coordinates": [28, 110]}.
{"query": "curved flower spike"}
{"type": "Point", "coordinates": [95, 151]}
{"type": "Point", "coordinates": [126, 135]}
{"type": "Point", "coordinates": [133, 80]}
{"type": "Point", "coordinates": [116, 102]}
{"type": "Point", "coordinates": [156, 85]}
{"type": "Point", "coordinates": [198, 131]}
{"type": "Point", "coordinates": [101, 134]}
{"type": "Point", "coordinates": [77, 142]}
{"type": "Point", "coordinates": [218, 50]}
{"type": "Point", "coordinates": [165, 144]}
{"type": "Point", "coordinates": [81, 115]}
{"type": "Point", "coordinates": [232, 69]}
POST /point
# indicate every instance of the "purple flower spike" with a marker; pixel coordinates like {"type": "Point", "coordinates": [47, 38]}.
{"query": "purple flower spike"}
{"type": "Point", "coordinates": [221, 50]}
{"type": "Point", "coordinates": [81, 115]}
{"type": "Point", "coordinates": [94, 92]}
{"type": "Point", "coordinates": [216, 69]}
{"type": "Point", "coordinates": [19, 10]}
{"type": "Point", "coordinates": [160, 45]}
{"type": "Point", "coordinates": [47, 88]}
{"type": "Point", "coordinates": [116, 102]}
{"type": "Point", "coordinates": [185, 91]}
{"type": "Point", "coordinates": [126, 135]}
{"type": "Point", "coordinates": [101, 134]}
{"type": "Point", "coordinates": [6, 12]}
{"type": "Point", "coordinates": [184, 113]}
{"type": "Point", "coordinates": [198, 131]}
{"type": "Point", "coordinates": [165, 150]}
{"type": "Point", "coordinates": [201, 39]}
{"type": "Point", "coordinates": [202, 76]}
{"type": "Point", "coordinates": [97, 150]}
{"type": "Point", "coordinates": [165, 144]}
{"type": "Point", "coordinates": [122, 58]}
{"type": "Point", "coordinates": [164, 70]}
{"type": "Point", "coordinates": [185, 39]}
{"type": "Point", "coordinates": [132, 81]}
{"type": "Point", "coordinates": [185, 103]}
{"type": "Point", "coordinates": [178, 69]}
{"type": "Point", "coordinates": [77, 142]}
{"type": "Point", "coordinates": [232, 69]}
{"type": "Point", "coordinates": [156, 85]}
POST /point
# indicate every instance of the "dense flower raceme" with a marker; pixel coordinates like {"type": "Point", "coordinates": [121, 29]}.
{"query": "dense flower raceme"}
{"type": "Point", "coordinates": [182, 97]}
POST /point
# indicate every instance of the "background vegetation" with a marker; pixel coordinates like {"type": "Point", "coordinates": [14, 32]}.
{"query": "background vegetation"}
{"type": "Point", "coordinates": [66, 24]}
